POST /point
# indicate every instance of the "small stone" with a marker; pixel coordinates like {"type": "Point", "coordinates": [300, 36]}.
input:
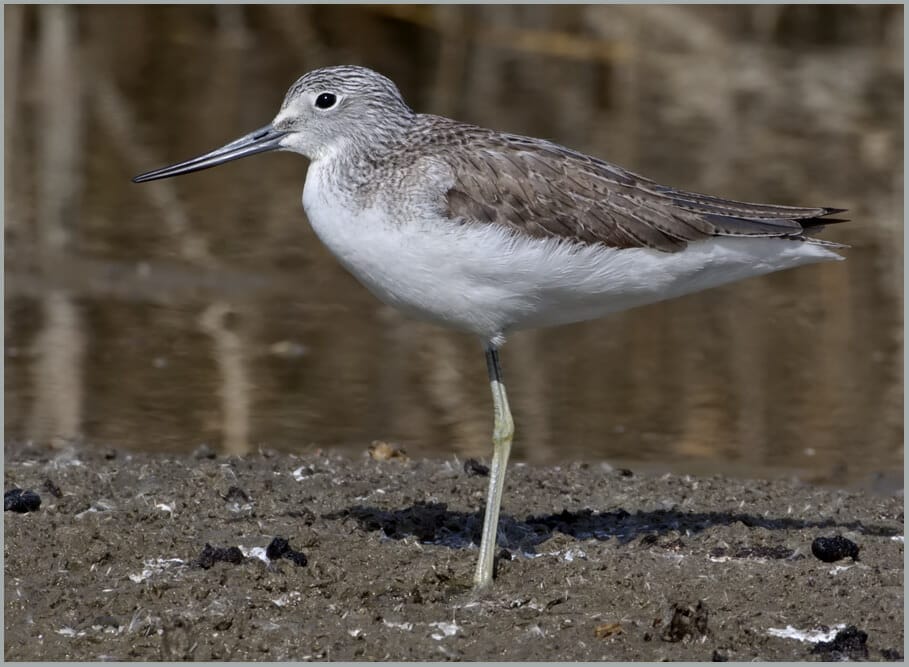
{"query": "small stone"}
{"type": "Point", "coordinates": [19, 501]}
{"type": "Point", "coordinates": [474, 468]}
{"type": "Point", "coordinates": [280, 548]}
{"type": "Point", "coordinates": [49, 486]}
{"type": "Point", "coordinates": [277, 548]}
{"type": "Point", "coordinates": [297, 558]}
{"type": "Point", "coordinates": [832, 549]}
{"type": "Point", "coordinates": [211, 555]}
{"type": "Point", "coordinates": [849, 643]}
{"type": "Point", "coordinates": [224, 624]}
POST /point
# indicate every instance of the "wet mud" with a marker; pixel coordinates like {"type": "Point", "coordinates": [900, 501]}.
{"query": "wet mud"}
{"type": "Point", "coordinates": [322, 557]}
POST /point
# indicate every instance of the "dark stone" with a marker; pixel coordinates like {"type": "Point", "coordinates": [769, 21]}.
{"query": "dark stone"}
{"type": "Point", "coordinates": [49, 486]}
{"type": "Point", "coordinates": [625, 472]}
{"type": "Point", "coordinates": [891, 654]}
{"type": "Point", "coordinates": [474, 468]}
{"type": "Point", "coordinates": [277, 548]}
{"type": "Point", "coordinates": [849, 643]}
{"type": "Point", "coordinates": [832, 549]}
{"type": "Point", "coordinates": [211, 555]}
{"type": "Point", "coordinates": [718, 657]}
{"type": "Point", "coordinates": [297, 558]}
{"type": "Point", "coordinates": [280, 548]}
{"type": "Point", "coordinates": [687, 622]}
{"type": "Point", "coordinates": [17, 500]}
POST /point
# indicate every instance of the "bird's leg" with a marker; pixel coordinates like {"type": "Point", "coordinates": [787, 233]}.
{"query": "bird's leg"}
{"type": "Point", "coordinates": [502, 433]}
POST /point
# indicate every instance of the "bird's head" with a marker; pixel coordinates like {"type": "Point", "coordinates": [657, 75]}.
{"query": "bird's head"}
{"type": "Point", "coordinates": [323, 112]}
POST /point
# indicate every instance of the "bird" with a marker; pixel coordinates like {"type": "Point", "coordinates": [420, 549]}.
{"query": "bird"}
{"type": "Point", "coordinates": [490, 233]}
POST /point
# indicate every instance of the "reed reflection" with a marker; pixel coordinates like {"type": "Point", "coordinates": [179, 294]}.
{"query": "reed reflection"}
{"type": "Point", "coordinates": [792, 372]}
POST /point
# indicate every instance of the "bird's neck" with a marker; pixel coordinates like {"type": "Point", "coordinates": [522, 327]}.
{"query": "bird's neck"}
{"type": "Point", "coordinates": [356, 158]}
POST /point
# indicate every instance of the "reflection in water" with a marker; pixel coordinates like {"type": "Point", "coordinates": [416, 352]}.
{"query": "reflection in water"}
{"type": "Point", "coordinates": [234, 385]}
{"type": "Point", "coordinates": [105, 281]}
{"type": "Point", "coordinates": [58, 372]}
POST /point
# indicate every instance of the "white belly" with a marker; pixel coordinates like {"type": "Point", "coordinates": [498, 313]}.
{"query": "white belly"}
{"type": "Point", "coordinates": [487, 281]}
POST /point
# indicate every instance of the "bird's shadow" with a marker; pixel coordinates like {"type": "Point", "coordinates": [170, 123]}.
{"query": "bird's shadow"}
{"type": "Point", "coordinates": [434, 523]}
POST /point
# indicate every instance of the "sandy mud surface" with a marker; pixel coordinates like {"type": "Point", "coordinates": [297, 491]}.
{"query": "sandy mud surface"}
{"type": "Point", "coordinates": [375, 558]}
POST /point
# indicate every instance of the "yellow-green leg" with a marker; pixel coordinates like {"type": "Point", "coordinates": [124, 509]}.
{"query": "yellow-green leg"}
{"type": "Point", "coordinates": [503, 431]}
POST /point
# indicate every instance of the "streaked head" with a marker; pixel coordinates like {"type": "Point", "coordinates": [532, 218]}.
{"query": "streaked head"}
{"type": "Point", "coordinates": [323, 111]}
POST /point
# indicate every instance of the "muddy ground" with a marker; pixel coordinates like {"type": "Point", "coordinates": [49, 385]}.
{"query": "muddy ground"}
{"type": "Point", "coordinates": [598, 563]}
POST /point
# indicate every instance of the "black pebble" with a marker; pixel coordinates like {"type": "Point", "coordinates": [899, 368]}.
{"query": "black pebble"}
{"type": "Point", "coordinates": [849, 643]}
{"type": "Point", "coordinates": [49, 486]}
{"type": "Point", "coordinates": [474, 468]}
{"type": "Point", "coordinates": [296, 557]}
{"type": "Point", "coordinates": [17, 500]}
{"type": "Point", "coordinates": [832, 549]}
{"type": "Point", "coordinates": [718, 657]}
{"type": "Point", "coordinates": [211, 555]}
{"type": "Point", "coordinates": [280, 548]}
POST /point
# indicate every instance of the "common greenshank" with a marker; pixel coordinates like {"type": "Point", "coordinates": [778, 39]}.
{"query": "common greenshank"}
{"type": "Point", "coordinates": [490, 233]}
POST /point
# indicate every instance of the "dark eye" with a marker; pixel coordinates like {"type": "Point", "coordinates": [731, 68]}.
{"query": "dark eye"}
{"type": "Point", "coordinates": [326, 101]}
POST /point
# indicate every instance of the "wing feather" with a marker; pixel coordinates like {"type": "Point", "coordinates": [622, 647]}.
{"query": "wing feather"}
{"type": "Point", "coordinates": [540, 189]}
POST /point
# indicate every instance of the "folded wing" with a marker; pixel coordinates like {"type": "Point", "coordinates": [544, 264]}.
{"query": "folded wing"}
{"type": "Point", "coordinates": [544, 190]}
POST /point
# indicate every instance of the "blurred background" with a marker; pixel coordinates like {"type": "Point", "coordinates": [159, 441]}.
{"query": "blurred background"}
{"type": "Point", "coordinates": [203, 309]}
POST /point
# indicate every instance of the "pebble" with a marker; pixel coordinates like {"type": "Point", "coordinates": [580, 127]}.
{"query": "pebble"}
{"type": "Point", "coordinates": [849, 643]}
{"type": "Point", "coordinates": [832, 549]}
{"type": "Point", "coordinates": [280, 548]}
{"type": "Point", "coordinates": [17, 500]}
{"type": "Point", "coordinates": [474, 468]}
{"type": "Point", "coordinates": [211, 555]}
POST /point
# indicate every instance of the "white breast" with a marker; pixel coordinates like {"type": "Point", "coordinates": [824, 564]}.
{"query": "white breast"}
{"type": "Point", "coordinates": [486, 280]}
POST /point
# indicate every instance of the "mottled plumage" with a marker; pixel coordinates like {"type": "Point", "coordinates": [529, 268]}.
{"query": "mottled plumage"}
{"type": "Point", "coordinates": [542, 189]}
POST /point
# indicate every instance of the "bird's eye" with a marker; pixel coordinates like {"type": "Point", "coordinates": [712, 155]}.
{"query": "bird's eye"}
{"type": "Point", "coordinates": [326, 100]}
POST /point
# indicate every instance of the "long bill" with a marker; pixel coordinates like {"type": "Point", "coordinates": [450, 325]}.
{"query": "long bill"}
{"type": "Point", "coordinates": [264, 139]}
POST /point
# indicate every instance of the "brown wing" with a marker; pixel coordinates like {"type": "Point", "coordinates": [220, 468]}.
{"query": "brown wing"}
{"type": "Point", "coordinates": [544, 190]}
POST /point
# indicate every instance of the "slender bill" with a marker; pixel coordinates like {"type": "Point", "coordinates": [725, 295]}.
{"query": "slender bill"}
{"type": "Point", "coordinates": [264, 139]}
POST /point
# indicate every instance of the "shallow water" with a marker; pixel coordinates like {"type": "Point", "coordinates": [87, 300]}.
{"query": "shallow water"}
{"type": "Point", "coordinates": [204, 310]}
